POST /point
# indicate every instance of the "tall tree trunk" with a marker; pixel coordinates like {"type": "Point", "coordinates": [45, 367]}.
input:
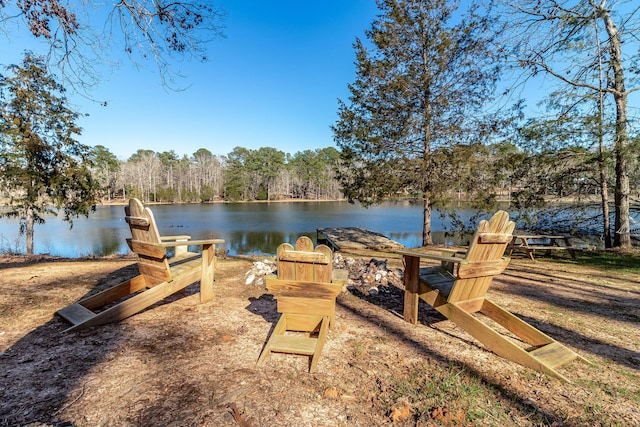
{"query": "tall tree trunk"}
{"type": "Point", "coordinates": [622, 236]}
{"type": "Point", "coordinates": [426, 226]}
{"type": "Point", "coordinates": [426, 192]}
{"type": "Point", "coordinates": [29, 230]}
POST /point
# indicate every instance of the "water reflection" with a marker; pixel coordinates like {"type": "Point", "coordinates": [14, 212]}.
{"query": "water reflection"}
{"type": "Point", "coordinates": [247, 228]}
{"type": "Point", "coordinates": [257, 242]}
{"type": "Point", "coordinates": [107, 242]}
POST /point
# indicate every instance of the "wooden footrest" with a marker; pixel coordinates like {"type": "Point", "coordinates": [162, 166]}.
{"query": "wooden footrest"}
{"type": "Point", "coordinates": [553, 354]}
{"type": "Point", "coordinates": [293, 344]}
{"type": "Point", "coordinates": [76, 314]}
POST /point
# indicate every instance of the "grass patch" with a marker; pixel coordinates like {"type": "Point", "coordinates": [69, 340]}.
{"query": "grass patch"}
{"type": "Point", "coordinates": [623, 262]}
{"type": "Point", "coordinates": [452, 395]}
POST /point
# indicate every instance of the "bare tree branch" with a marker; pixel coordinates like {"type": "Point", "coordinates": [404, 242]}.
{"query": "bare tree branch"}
{"type": "Point", "coordinates": [162, 32]}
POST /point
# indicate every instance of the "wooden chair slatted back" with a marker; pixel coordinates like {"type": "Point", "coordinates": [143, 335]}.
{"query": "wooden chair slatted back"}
{"type": "Point", "coordinates": [303, 262]}
{"type": "Point", "coordinates": [145, 242]}
{"type": "Point", "coordinates": [484, 259]}
{"type": "Point", "coordinates": [304, 280]}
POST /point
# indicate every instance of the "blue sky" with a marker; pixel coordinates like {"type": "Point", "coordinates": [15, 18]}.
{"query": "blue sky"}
{"type": "Point", "coordinates": [273, 81]}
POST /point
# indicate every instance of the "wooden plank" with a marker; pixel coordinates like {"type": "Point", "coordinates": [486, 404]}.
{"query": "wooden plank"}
{"type": "Point", "coordinates": [298, 256]}
{"type": "Point", "coordinates": [138, 222]}
{"type": "Point", "coordinates": [482, 268]}
{"type": "Point", "coordinates": [139, 301]}
{"type": "Point", "coordinates": [278, 330]}
{"type": "Point", "coordinates": [207, 265]}
{"type": "Point", "coordinates": [114, 293]}
{"type": "Point", "coordinates": [304, 244]}
{"type": "Point", "coordinates": [183, 267]}
{"type": "Point", "coordinates": [76, 313]}
{"type": "Point", "coordinates": [322, 338]}
{"type": "Point", "coordinates": [439, 282]}
{"type": "Point", "coordinates": [554, 354]}
{"type": "Point", "coordinates": [471, 305]}
{"type": "Point", "coordinates": [309, 306]}
{"type": "Point", "coordinates": [152, 250]}
{"type": "Point", "coordinates": [515, 325]}
{"type": "Point", "coordinates": [304, 322]}
{"type": "Point", "coordinates": [293, 344]}
{"type": "Point", "coordinates": [170, 238]}
{"type": "Point", "coordinates": [286, 270]}
{"type": "Point", "coordinates": [441, 258]}
{"type": "Point", "coordinates": [154, 272]}
{"type": "Point", "coordinates": [355, 238]}
{"type": "Point", "coordinates": [322, 272]}
{"type": "Point", "coordinates": [494, 237]}
{"type": "Point", "coordinates": [201, 242]}
{"type": "Point", "coordinates": [436, 274]}
{"type": "Point", "coordinates": [303, 289]}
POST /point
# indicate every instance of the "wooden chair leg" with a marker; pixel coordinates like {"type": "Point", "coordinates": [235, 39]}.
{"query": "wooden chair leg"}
{"type": "Point", "coordinates": [208, 271]}
{"type": "Point", "coordinates": [322, 339]}
{"type": "Point", "coordinates": [504, 347]}
{"type": "Point", "coordinates": [280, 329]}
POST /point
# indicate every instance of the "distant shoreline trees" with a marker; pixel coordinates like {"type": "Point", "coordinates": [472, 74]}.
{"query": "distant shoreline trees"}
{"type": "Point", "coordinates": [242, 175]}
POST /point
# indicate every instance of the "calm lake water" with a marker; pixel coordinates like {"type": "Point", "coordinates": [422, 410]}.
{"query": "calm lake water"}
{"type": "Point", "coordinates": [247, 228]}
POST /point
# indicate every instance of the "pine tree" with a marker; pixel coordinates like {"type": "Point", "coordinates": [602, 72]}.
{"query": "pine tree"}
{"type": "Point", "coordinates": [42, 165]}
{"type": "Point", "coordinates": [421, 83]}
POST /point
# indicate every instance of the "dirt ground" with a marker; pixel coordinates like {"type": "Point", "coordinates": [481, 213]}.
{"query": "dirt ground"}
{"type": "Point", "coordinates": [184, 363]}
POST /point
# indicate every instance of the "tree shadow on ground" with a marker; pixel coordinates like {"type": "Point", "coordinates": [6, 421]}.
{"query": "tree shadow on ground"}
{"type": "Point", "coordinates": [428, 317]}
{"type": "Point", "coordinates": [44, 371]}
{"type": "Point", "coordinates": [42, 366]}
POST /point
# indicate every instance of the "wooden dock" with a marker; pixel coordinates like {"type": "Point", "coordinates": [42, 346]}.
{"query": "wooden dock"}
{"type": "Point", "coordinates": [355, 238]}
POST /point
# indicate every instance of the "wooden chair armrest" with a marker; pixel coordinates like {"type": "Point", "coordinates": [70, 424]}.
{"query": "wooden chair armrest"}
{"type": "Point", "coordinates": [453, 252]}
{"type": "Point", "coordinates": [192, 243]}
{"type": "Point", "coordinates": [432, 256]}
{"type": "Point", "coordinates": [168, 238]}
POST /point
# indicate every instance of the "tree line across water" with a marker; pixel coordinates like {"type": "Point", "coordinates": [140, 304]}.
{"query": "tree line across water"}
{"type": "Point", "coordinates": [241, 175]}
{"type": "Point", "coordinates": [504, 171]}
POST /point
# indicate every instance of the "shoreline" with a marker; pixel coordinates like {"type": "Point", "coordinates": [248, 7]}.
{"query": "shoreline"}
{"type": "Point", "coordinates": [123, 202]}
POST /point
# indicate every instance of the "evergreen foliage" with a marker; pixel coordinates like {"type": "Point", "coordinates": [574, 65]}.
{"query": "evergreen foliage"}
{"type": "Point", "coordinates": [41, 162]}
{"type": "Point", "coordinates": [416, 106]}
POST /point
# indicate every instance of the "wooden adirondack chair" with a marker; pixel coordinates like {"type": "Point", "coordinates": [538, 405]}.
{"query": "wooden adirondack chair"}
{"type": "Point", "coordinates": [458, 287]}
{"type": "Point", "coordinates": [159, 276]}
{"type": "Point", "coordinates": [306, 288]}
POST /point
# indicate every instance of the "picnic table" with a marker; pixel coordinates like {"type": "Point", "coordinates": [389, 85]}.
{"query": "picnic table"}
{"type": "Point", "coordinates": [535, 242]}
